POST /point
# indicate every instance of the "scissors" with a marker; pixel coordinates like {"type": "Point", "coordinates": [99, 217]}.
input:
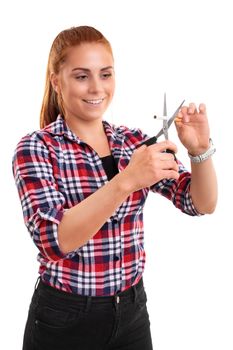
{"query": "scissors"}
{"type": "Point", "coordinates": [166, 124]}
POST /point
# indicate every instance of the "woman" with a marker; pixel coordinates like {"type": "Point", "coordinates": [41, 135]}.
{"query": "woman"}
{"type": "Point", "coordinates": [83, 183]}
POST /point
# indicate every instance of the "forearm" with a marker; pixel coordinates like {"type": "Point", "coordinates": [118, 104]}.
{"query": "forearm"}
{"type": "Point", "coordinates": [81, 222]}
{"type": "Point", "coordinates": [203, 188]}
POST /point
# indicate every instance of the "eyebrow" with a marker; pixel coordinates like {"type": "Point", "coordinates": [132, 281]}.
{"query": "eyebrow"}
{"type": "Point", "coordinates": [88, 70]}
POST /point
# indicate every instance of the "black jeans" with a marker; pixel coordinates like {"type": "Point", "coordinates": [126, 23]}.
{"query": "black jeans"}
{"type": "Point", "coordinates": [61, 321]}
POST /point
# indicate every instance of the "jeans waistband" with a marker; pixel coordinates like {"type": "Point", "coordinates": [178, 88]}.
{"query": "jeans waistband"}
{"type": "Point", "coordinates": [130, 293]}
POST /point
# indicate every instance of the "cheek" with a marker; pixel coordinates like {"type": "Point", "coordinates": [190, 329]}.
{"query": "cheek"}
{"type": "Point", "coordinates": [73, 90]}
{"type": "Point", "coordinates": [111, 87]}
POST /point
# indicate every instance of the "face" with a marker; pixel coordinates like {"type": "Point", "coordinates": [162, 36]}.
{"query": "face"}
{"type": "Point", "coordinates": [86, 81]}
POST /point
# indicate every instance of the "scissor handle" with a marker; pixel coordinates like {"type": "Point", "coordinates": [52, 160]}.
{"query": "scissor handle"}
{"type": "Point", "coordinates": [152, 141]}
{"type": "Point", "coordinates": [169, 151]}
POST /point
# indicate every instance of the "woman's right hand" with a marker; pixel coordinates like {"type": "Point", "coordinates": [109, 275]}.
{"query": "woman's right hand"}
{"type": "Point", "coordinates": [150, 164]}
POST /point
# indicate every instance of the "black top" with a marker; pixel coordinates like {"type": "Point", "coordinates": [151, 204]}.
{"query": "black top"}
{"type": "Point", "coordinates": [109, 166]}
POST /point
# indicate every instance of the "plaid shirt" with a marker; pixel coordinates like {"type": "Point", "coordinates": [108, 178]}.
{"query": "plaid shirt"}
{"type": "Point", "coordinates": [55, 170]}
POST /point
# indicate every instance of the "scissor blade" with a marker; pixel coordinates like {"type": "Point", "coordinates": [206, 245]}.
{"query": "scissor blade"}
{"type": "Point", "coordinates": [170, 121]}
{"type": "Point", "coordinates": [165, 121]}
{"type": "Point", "coordinates": [165, 105]}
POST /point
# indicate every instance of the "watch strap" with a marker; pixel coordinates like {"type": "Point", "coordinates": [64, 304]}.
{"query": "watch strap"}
{"type": "Point", "coordinates": [204, 156]}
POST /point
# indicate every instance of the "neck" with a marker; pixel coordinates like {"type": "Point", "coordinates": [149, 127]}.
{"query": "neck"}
{"type": "Point", "coordinates": [86, 129]}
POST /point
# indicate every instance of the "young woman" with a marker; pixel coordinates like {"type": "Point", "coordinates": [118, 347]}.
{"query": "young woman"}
{"type": "Point", "coordinates": [83, 183]}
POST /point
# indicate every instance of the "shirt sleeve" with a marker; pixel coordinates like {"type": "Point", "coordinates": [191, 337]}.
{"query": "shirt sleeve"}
{"type": "Point", "coordinates": [177, 191]}
{"type": "Point", "coordinates": [42, 203]}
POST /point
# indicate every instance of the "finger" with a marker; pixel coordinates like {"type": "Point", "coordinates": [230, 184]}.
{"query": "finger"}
{"type": "Point", "coordinates": [185, 114]}
{"type": "Point", "coordinates": [178, 118]}
{"type": "Point", "coordinates": [162, 146]}
{"type": "Point", "coordinates": [169, 165]}
{"type": "Point", "coordinates": [141, 148]}
{"type": "Point", "coordinates": [202, 108]}
{"type": "Point", "coordinates": [171, 174]}
{"type": "Point", "coordinates": [192, 108]}
{"type": "Point", "coordinates": [165, 156]}
{"type": "Point", "coordinates": [184, 110]}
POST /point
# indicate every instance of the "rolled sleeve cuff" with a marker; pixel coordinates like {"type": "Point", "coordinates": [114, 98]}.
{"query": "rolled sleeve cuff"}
{"type": "Point", "coordinates": [43, 226]}
{"type": "Point", "coordinates": [188, 206]}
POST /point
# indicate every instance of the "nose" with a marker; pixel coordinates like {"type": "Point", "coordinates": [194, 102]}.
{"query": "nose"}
{"type": "Point", "coordinates": [95, 85]}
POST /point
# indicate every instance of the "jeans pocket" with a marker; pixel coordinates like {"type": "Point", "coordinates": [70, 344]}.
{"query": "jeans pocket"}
{"type": "Point", "coordinates": [55, 318]}
{"type": "Point", "coordinates": [141, 299]}
{"type": "Point", "coordinates": [29, 329]}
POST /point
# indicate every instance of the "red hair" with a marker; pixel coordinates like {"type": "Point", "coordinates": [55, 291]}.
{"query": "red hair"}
{"type": "Point", "coordinates": [51, 103]}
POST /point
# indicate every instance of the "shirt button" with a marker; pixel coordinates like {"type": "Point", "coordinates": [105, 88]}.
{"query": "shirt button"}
{"type": "Point", "coordinates": [114, 221]}
{"type": "Point", "coordinates": [116, 258]}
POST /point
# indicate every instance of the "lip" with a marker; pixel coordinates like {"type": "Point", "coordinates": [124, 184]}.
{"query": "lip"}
{"type": "Point", "coordinates": [94, 101]}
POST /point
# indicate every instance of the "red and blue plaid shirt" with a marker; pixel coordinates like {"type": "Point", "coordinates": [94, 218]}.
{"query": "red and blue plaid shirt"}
{"type": "Point", "coordinates": [55, 170]}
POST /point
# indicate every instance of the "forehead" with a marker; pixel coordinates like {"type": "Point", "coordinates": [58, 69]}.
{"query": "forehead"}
{"type": "Point", "coordinates": [88, 55]}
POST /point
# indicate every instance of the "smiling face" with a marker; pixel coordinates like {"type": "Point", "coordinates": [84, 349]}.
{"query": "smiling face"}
{"type": "Point", "coordinates": [85, 81]}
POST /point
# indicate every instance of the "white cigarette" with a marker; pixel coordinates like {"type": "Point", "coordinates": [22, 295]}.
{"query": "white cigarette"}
{"type": "Point", "coordinates": [162, 117]}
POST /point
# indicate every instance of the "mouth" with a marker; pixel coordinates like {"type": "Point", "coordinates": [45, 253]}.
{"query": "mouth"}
{"type": "Point", "coordinates": [94, 101]}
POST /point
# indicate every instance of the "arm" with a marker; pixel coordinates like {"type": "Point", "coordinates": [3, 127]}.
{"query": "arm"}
{"type": "Point", "coordinates": [203, 187]}
{"type": "Point", "coordinates": [58, 231]}
{"type": "Point", "coordinates": [147, 166]}
{"type": "Point", "coordinates": [54, 229]}
{"type": "Point", "coordinates": [42, 203]}
{"type": "Point", "coordinates": [82, 221]}
{"type": "Point", "coordinates": [193, 131]}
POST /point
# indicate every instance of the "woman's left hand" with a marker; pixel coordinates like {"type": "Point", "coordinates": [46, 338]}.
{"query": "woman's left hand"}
{"type": "Point", "coordinates": [193, 128]}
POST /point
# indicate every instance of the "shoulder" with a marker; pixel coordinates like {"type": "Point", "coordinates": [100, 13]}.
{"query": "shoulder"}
{"type": "Point", "coordinates": [38, 138]}
{"type": "Point", "coordinates": [33, 147]}
{"type": "Point", "coordinates": [32, 141]}
{"type": "Point", "coordinates": [31, 152]}
{"type": "Point", "coordinates": [132, 135]}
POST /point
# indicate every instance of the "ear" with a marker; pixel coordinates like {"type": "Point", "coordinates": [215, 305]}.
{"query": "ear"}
{"type": "Point", "coordinates": [54, 81]}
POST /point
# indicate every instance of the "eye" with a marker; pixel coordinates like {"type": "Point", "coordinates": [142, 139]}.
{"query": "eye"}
{"type": "Point", "coordinates": [81, 77]}
{"type": "Point", "coordinates": [106, 75]}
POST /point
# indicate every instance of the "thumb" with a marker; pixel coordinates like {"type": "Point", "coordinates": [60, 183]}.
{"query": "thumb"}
{"type": "Point", "coordinates": [141, 148]}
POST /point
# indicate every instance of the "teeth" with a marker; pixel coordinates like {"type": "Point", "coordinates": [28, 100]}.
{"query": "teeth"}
{"type": "Point", "coordinates": [94, 102]}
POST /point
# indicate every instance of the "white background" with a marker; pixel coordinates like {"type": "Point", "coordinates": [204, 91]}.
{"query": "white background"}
{"type": "Point", "coordinates": [183, 48]}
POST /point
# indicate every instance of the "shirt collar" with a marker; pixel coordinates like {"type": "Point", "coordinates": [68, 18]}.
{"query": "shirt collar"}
{"type": "Point", "coordinates": [59, 127]}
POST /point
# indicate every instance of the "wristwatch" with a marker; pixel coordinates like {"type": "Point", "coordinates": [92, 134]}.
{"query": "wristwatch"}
{"type": "Point", "coordinates": [204, 156]}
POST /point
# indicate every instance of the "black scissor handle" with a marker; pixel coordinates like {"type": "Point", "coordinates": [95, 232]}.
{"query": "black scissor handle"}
{"type": "Point", "coordinates": [169, 151]}
{"type": "Point", "coordinates": [152, 141]}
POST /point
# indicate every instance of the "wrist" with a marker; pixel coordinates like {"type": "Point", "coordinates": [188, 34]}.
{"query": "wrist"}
{"type": "Point", "coordinates": [200, 150]}
{"type": "Point", "coordinates": [124, 183]}
{"type": "Point", "coordinates": [203, 155]}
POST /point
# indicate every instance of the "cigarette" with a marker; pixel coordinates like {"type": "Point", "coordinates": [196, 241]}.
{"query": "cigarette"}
{"type": "Point", "coordinates": [162, 117]}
